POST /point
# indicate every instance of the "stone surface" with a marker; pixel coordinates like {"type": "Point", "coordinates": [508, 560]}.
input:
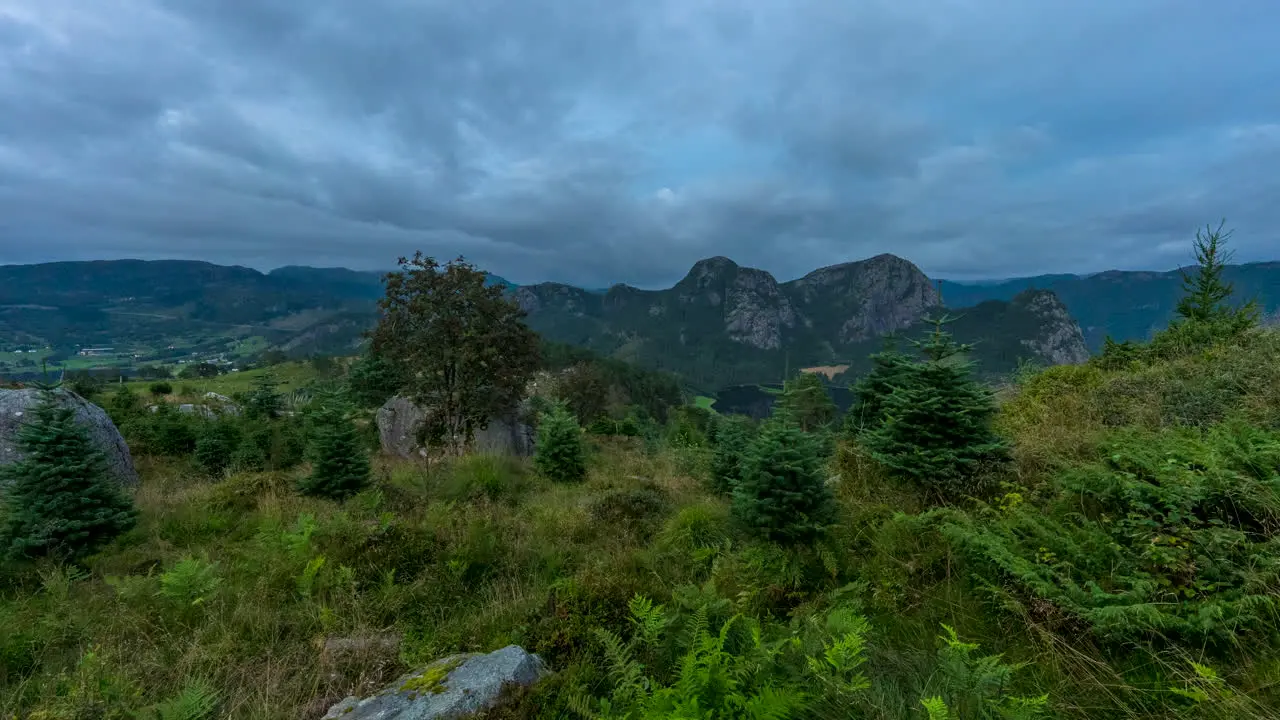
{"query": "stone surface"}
{"type": "Point", "coordinates": [398, 420]}
{"type": "Point", "coordinates": [865, 299]}
{"type": "Point", "coordinates": [15, 410]}
{"type": "Point", "coordinates": [453, 687]}
{"type": "Point", "coordinates": [1060, 340]}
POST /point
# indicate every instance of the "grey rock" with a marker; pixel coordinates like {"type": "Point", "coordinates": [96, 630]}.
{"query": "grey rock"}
{"type": "Point", "coordinates": [1060, 340]}
{"type": "Point", "coordinates": [399, 419]}
{"type": "Point", "coordinates": [756, 312]}
{"type": "Point", "coordinates": [15, 410]}
{"type": "Point", "coordinates": [865, 299]}
{"type": "Point", "coordinates": [452, 687]}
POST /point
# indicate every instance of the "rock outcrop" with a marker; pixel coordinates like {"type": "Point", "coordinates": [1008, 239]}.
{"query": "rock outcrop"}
{"type": "Point", "coordinates": [859, 300]}
{"type": "Point", "coordinates": [16, 407]}
{"type": "Point", "coordinates": [399, 419]}
{"type": "Point", "coordinates": [1060, 340]}
{"type": "Point", "coordinates": [453, 687]}
{"type": "Point", "coordinates": [755, 312]}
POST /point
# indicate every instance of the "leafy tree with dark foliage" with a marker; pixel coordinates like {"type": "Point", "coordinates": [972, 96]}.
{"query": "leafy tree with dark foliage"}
{"type": "Point", "coordinates": [782, 492]}
{"type": "Point", "coordinates": [373, 380]}
{"type": "Point", "coordinates": [935, 427]}
{"type": "Point", "coordinates": [61, 501]}
{"type": "Point", "coordinates": [462, 346]}
{"type": "Point", "coordinates": [560, 454]}
{"type": "Point", "coordinates": [339, 463]}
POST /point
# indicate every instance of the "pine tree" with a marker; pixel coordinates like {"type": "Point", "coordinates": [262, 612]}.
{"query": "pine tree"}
{"type": "Point", "coordinates": [936, 425]}
{"type": "Point", "coordinates": [61, 501]}
{"type": "Point", "coordinates": [733, 439]}
{"type": "Point", "coordinates": [339, 463]}
{"type": "Point", "coordinates": [782, 493]}
{"type": "Point", "coordinates": [1206, 292]}
{"type": "Point", "coordinates": [890, 368]}
{"type": "Point", "coordinates": [560, 454]}
{"type": "Point", "coordinates": [805, 400]}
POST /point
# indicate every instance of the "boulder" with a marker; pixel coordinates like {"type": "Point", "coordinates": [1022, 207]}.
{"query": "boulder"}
{"type": "Point", "coordinates": [15, 410]}
{"type": "Point", "coordinates": [398, 420]}
{"type": "Point", "coordinates": [453, 687]}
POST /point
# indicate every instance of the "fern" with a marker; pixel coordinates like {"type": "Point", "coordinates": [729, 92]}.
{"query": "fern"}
{"type": "Point", "coordinates": [936, 708]}
{"type": "Point", "coordinates": [196, 701]}
{"type": "Point", "coordinates": [190, 582]}
{"type": "Point", "coordinates": [307, 580]}
{"type": "Point", "coordinates": [647, 619]}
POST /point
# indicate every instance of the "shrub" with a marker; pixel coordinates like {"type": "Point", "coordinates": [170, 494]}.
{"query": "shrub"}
{"type": "Point", "coordinates": [60, 500]}
{"type": "Point", "coordinates": [806, 402]}
{"type": "Point", "coordinates": [633, 508]}
{"type": "Point", "coordinates": [161, 388]}
{"type": "Point", "coordinates": [936, 425]}
{"type": "Point", "coordinates": [482, 475]}
{"type": "Point", "coordinates": [782, 493]}
{"type": "Point", "coordinates": [339, 465]}
{"type": "Point", "coordinates": [560, 454]}
{"type": "Point", "coordinates": [1169, 534]}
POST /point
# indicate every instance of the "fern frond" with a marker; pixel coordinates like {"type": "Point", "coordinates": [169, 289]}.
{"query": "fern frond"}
{"type": "Point", "coordinates": [196, 701]}
{"type": "Point", "coordinates": [936, 708]}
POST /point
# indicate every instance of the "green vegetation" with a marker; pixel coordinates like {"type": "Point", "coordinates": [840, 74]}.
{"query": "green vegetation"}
{"type": "Point", "coordinates": [1122, 563]}
{"type": "Point", "coordinates": [59, 500]}
{"type": "Point", "coordinates": [560, 455]}
{"type": "Point", "coordinates": [339, 465]}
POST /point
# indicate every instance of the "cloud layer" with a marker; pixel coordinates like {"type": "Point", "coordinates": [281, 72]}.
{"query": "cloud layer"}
{"type": "Point", "coordinates": [595, 143]}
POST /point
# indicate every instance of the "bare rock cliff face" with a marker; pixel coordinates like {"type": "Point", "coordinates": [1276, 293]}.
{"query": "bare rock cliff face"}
{"type": "Point", "coordinates": [1060, 341]}
{"type": "Point", "coordinates": [756, 313]}
{"type": "Point", "coordinates": [865, 299]}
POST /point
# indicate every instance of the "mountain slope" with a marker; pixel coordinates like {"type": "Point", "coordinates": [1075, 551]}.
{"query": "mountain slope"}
{"type": "Point", "coordinates": [724, 324]}
{"type": "Point", "coordinates": [1128, 305]}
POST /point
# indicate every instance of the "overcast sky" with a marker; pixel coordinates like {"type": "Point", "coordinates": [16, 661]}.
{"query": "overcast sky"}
{"type": "Point", "coordinates": [601, 141]}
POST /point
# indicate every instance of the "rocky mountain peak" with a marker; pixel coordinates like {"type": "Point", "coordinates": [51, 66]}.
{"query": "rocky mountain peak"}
{"type": "Point", "coordinates": [858, 300]}
{"type": "Point", "coordinates": [1060, 340]}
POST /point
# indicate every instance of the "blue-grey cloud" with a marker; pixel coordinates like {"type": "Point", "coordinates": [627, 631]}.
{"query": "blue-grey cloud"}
{"type": "Point", "coordinates": [570, 140]}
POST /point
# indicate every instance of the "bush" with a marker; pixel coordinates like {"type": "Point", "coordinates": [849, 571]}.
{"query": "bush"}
{"type": "Point", "coordinates": [339, 465]}
{"type": "Point", "coordinates": [634, 508]}
{"type": "Point", "coordinates": [161, 388]}
{"type": "Point", "coordinates": [60, 501]}
{"type": "Point", "coordinates": [1169, 534]}
{"type": "Point", "coordinates": [782, 493]}
{"type": "Point", "coordinates": [560, 454]}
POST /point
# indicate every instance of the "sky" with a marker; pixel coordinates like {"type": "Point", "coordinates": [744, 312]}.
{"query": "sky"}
{"type": "Point", "coordinates": [598, 142]}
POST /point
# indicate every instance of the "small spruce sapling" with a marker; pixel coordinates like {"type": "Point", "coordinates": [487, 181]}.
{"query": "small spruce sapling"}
{"type": "Point", "coordinates": [560, 454]}
{"type": "Point", "coordinates": [339, 463]}
{"type": "Point", "coordinates": [936, 425]}
{"type": "Point", "coordinates": [782, 493]}
{"type": "Point", "coordinates": [61, 501]}
{"type": "Point", "coordinates": [733, 439]}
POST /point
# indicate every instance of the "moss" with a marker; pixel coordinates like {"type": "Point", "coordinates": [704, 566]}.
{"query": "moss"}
{"type": "Point", "coordinates": [432, 680]}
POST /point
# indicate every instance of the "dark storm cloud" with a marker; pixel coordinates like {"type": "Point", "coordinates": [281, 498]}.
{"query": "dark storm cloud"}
{"type": "Point", "coordinates": [594, 143]}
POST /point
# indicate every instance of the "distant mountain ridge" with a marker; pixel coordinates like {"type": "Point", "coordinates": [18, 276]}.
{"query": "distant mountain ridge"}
{"type": "Point", "coordinates": [1125, 304]}
{"type": "Point", "coordinates": [724, 324]}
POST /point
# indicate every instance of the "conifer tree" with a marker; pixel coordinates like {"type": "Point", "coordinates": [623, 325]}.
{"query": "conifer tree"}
{"type": "Point", "coordinates": [733, 440]}
{"type": "Point", "coordinates": [61, 501]}
{"type": "Point", "coordinates": [936, 425]}
{"type": "Point", "coordinates": [782, 493]}
{"type": "Point", "coordinates": [805, 400]}
{"type": "Point", "coordinates": [263, 402]}
{"type": "Point", "coordinates": [560, 454]}
{"type": "Point", "coordinates": [890, 368]}
{"type": "Point", "coordinates": [1206, 292]}
{"type": "Point", "coordinates": [216, 445]}
{"type": "Point", "coordinates": [339, 463]}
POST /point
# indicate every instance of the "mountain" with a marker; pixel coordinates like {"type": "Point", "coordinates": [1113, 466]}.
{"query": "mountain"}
{"type": "Point", "coordinates": [724, 324]}
{"type": "Point", "coordinates": [1127, 305]}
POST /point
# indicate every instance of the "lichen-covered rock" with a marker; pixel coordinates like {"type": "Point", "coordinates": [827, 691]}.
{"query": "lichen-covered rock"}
{"type": "Point", "coordinates": [399, 419]}
{"type": "Point", "coordinates": [453, 687]}
{"type": "Point", "coordinates": [1060, 340]}
{"type": "Point", "coordinates": [15, 411]}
